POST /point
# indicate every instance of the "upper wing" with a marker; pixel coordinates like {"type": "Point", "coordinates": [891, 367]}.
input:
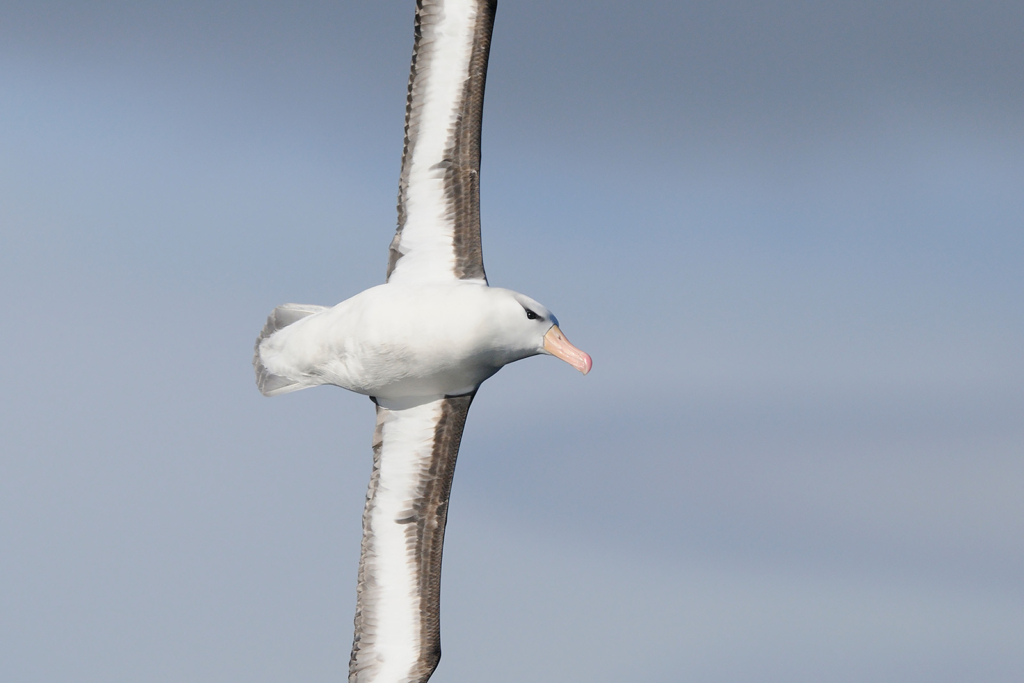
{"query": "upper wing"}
{"type": "Point", "coordinates": [398, 635]}
{"type": "Point", "coordinates": [438, 235]}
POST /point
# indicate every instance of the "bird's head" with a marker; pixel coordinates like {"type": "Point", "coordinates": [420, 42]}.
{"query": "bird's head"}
{"type": "Point", "coordinates": [530, 329]}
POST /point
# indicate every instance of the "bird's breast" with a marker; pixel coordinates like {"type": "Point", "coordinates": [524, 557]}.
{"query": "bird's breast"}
{"type": "Point", "coordinates": [398, 344]}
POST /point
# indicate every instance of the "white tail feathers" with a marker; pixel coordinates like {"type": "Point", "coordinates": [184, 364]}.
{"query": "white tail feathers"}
{"type": "Point", "coordinates": [282, 316]}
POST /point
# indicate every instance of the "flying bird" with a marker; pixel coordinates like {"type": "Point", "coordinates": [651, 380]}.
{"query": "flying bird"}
{"type": "Point", "coordinates": [419, 345]}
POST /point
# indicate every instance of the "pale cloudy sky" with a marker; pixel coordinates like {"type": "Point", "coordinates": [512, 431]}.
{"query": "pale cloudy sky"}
{"type": "Point", "coordinates": [790, 234]}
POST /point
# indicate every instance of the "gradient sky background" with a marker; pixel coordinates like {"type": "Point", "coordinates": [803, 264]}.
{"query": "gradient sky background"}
{"type": "Point", "coordinates": [791, 234]}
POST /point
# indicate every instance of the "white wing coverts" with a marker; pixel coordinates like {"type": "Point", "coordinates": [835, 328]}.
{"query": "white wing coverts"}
{"type": "Point", "coordinates": [398, 635]}
{"type": "Point", "coordinates": [438, 235]}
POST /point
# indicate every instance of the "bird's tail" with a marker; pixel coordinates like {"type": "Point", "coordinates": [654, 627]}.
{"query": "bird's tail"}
{"type": "Point", "coordinates": [282, 316]}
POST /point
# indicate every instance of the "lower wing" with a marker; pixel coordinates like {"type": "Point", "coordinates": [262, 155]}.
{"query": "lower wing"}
{"type": "Point", "coordinates": [397, 634]}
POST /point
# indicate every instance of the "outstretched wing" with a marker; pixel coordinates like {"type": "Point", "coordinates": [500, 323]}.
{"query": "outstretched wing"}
{"type": "Point", "coordinates": [438, 235]}
{"type": "Point", "coordinates": [397, 634]}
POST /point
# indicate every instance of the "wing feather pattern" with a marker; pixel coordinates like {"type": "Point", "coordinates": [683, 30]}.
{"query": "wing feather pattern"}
{"type": "Point", "coordinates": [438, 236]}
{"type": "Point", "coordinates": [397, 624]}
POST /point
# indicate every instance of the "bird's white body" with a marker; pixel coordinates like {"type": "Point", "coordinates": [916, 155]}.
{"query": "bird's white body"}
{"type": "Point", "coordinates": [399, 342]}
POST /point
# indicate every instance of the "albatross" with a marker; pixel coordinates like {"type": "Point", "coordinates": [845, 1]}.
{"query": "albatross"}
{"type": "Point", "coordinates": [419, 345]}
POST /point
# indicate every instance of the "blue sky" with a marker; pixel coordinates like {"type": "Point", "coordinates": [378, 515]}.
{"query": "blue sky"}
{"type": "Point", "coordinates": [789, 233]}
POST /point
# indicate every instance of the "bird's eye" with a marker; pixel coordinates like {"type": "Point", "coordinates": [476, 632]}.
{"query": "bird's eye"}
{"type": "Point", "coordinates": [530, 315]}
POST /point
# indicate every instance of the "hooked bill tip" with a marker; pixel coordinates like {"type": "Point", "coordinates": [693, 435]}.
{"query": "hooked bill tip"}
{"type": "Point", "coordinates": [558, 346]}
{"type": "Point", "coordinates": [587, 363]}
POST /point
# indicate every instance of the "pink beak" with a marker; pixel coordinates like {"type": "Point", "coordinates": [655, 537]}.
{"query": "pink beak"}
{"type": "Point", "coordinates": [558, 346]}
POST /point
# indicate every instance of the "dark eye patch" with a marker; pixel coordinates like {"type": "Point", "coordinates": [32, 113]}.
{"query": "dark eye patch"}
{"type": "Point", "coordinates": [530, 315]}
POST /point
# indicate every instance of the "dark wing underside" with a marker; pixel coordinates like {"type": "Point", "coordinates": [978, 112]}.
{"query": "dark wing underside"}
{"type": "Point", "coordinates": [438, 236]}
